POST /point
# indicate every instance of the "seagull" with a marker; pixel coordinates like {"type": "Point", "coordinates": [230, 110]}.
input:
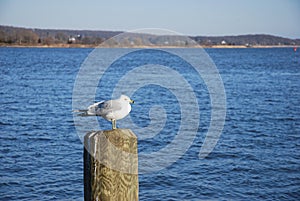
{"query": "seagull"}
{"type": "Point", "coordinates": [111, 110]}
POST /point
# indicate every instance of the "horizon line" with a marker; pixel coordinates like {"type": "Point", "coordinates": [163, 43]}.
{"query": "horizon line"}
{"type": "Point", "coordinates": [129, 31]}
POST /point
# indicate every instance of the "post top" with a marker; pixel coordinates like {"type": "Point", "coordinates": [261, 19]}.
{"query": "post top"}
{"type": "Point", "coordinates": [123, 133]}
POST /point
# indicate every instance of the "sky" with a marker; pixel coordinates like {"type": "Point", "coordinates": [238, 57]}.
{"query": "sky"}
{"type": "Point", "coordinates": [188, 17]}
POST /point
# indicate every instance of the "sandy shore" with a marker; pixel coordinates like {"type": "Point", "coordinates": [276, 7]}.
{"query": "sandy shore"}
{"type": "Point", "coordinates": [94, 46]}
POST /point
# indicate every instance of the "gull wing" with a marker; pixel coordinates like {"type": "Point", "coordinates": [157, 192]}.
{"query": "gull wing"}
{"type": "Point", "coordinates": [107, 107]}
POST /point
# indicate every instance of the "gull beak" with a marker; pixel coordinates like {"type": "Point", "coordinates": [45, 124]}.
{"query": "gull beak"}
{"type": "Point", "coordinates": [131, 101]}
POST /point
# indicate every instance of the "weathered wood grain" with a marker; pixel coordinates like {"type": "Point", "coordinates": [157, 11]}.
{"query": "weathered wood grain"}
{"type": "Point", "coordinates": [111, 165]}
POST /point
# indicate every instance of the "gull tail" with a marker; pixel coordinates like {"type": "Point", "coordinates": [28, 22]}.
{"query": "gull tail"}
{"type": "Point", "coordinates": [81, 112]}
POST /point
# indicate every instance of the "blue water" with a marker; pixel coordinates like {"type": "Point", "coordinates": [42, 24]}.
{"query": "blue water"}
{"type": "Point", "coordinates": [257, 156]}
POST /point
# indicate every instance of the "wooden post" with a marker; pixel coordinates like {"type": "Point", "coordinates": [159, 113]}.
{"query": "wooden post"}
{"type": "Point", "coordinates": [111, 166]}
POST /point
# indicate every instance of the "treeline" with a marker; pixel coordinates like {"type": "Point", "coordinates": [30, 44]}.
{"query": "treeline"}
{"type": "Point", "coordinates": [248, 40]}
{"type": "Point", "coordinates": [23, 36]}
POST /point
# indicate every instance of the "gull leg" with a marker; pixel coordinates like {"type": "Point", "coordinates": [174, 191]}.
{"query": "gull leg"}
{"type": "Point", "coordinates": [113, 124]}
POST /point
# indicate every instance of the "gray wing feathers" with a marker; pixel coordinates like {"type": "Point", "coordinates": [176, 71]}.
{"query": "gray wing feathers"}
{"type": "Point", "coordinates": [101, 108]}
{"type": "Point", "coordinates": [108, 106]}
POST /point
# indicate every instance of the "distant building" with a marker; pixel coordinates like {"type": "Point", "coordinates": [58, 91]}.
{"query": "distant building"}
{"type": "Point", "coordinates": [223, 42]}
{"type": "Point", "coordinates": [71, 40]}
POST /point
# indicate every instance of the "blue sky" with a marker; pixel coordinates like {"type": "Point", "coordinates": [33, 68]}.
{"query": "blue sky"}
{"type": "Point", "coordinates": [190, 17]}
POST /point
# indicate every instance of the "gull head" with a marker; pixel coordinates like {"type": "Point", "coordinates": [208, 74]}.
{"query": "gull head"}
{"type": "Point", "coordinates": [126, 98]}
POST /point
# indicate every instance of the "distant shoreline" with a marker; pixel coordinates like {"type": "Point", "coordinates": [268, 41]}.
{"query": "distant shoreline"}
{"type": "Point", "coordinates": [144, 46]}
{"type": "Point", "coordinates": [52, 38]}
